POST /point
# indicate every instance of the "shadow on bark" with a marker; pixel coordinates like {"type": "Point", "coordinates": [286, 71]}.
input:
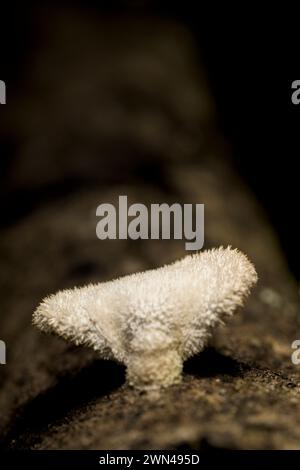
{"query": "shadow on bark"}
{"type": "Point", "coordinates": [73, 392]}
{"type": "Point", "coordinates": [211, 363]}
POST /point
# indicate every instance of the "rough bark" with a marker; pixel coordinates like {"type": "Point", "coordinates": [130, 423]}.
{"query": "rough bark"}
{"type": "Point", "coordinates": [134, 111]}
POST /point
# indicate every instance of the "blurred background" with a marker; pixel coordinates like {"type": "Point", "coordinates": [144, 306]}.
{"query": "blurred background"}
{"type": "Point", "coordinates": [104, 92]}
{"type": "Point", "coordinates": [163, 102]}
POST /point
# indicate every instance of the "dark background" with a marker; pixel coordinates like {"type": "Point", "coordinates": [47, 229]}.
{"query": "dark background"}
{"type": "Point", "coordinates": [250, 63]}
{"type": "Point", "coordinates": [110, 100]}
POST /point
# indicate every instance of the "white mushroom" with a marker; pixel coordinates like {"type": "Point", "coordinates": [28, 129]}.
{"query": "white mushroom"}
{"type": "Point", "coordinates": [152, 321]}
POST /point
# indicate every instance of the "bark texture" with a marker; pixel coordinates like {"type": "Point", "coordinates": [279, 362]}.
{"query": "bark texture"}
{"type": "Point", "coordinates": [128, 111]}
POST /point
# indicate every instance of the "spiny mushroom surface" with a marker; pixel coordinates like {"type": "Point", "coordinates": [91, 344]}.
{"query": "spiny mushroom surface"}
{"type": "Point", "coordinates": [154, 320]}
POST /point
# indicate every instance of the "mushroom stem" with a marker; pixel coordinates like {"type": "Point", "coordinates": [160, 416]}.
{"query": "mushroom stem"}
{"type": "Point", "coordinates": [154, 369]}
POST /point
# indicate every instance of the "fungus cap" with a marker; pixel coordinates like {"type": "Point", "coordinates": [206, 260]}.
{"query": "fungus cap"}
{"type": "Point", "coordinates": [153, 320]}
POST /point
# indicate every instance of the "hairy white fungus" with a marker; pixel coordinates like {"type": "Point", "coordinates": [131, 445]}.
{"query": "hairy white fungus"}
{"type": "Point", "coordinates": [152, 321]}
